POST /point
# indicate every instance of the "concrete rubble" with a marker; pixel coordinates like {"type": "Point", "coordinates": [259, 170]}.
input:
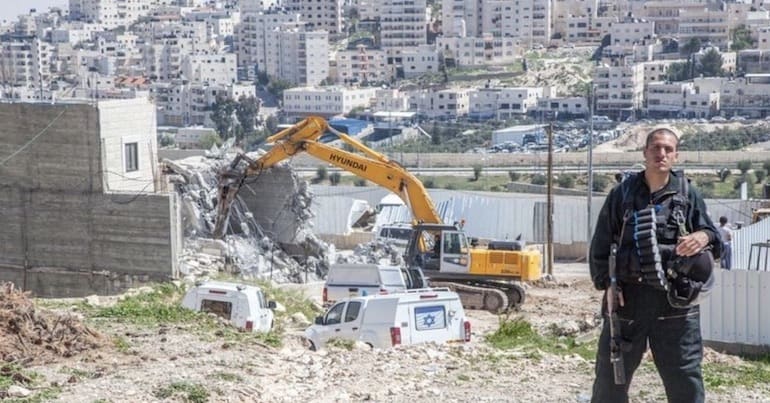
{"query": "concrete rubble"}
{"type": "Point", "coordinates": [270, 231]}
{"type": "Point", "coordinates": [377, 252]}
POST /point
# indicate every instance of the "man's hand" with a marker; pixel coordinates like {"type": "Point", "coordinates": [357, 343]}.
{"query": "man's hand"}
{"type": "Point", "coordinates": [690, 245]}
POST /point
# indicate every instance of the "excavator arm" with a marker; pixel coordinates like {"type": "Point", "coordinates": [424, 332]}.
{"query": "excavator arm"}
{"type": "Point", "coordinates": [304, 137]}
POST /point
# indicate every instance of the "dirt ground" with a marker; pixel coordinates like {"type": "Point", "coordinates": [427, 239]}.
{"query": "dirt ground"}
{"type": "Point", "coordinates": [163, 359]}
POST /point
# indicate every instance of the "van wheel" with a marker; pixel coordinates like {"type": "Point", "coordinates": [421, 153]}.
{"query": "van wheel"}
{"type": "Point", "coordinates": [309, 344]}
{"type": "Point", "coordinates": [371, 347]}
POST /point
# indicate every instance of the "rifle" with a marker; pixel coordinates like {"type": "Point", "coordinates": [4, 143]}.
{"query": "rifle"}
{"type": "Point", "coordinates": [616, 339]}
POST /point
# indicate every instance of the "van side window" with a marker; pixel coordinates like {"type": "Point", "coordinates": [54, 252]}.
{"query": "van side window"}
{"type": "Point", "coordinates": [334, 316]}
{"type": "Point", "coordinates": [429, 317]}
{"type": "Point", "coordinates": [354, 307]}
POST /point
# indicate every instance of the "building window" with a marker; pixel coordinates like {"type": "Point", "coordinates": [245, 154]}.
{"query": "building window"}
{"type": "Point", "coordinates": [131, 156]}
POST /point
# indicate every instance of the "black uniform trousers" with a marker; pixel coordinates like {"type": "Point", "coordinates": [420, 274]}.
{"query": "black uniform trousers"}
{"type": "Point", "coordinates": [673, 335]}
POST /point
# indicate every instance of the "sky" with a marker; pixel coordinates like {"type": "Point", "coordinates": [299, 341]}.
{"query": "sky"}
{"type": "Point", "coordinates": [10, 9]}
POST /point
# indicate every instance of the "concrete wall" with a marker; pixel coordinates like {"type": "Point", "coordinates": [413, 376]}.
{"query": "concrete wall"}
{"type": "Point", "coordinates": [61, 235]}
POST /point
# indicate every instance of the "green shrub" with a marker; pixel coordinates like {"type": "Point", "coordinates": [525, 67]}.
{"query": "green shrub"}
{"type": "Point", "coordinates": [566, 181]}
{"type": "Point", "coordinates": [477, 169]}
{"type": "Point", "coordinates": [335, 178]}
{"type": "Point", "coordinates": [760, 175]}
{"type": "Point", "coordinates": [429, 184]}
{"type": "Point", "coordinates": [744, 166]}
{"type": "Point", "coordinates": [600, 183]}
{"type": "Point", "coordinates": [360, 182]}
{"type": "Point", "coordinates": [321, 173]}
{"type": "Point", "coordinates": [515, 176]}
{"type": "Point", "coordinates": [538, 179]}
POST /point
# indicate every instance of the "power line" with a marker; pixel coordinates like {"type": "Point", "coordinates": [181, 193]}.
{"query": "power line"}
{"type": "Point", "coordinates": [40, 133]}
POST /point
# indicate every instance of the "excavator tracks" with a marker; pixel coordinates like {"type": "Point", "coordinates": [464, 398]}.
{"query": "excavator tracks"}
{"type": "Point", "coordinates": [493, 296]}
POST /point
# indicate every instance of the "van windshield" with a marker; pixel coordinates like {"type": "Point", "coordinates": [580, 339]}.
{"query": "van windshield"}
{"type": "Point", "coordinates": [391, 278]}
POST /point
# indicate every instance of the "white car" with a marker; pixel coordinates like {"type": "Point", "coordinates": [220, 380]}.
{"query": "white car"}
{"type": "Point", "coordinates": [352, 279]}
{"type": "Point", "coordinates": [382, 321]}
{"type": "Point", "coordinates": [243, 305]}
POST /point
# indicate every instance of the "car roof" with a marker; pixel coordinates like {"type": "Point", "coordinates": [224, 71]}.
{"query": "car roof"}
{"type": "Point", "coordinates": [223, 285]}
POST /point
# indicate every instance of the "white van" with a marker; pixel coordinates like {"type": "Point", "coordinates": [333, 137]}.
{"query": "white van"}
{"type": "Point", "coordinates": [243, 305]}
{"type": "Point", "coordinates": [382, 321]}
{"type": "Point", "coordinates": [354, 279]}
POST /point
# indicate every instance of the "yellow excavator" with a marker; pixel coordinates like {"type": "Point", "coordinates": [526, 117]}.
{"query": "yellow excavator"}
{"type": "Point", "coordinates": [485, 278]}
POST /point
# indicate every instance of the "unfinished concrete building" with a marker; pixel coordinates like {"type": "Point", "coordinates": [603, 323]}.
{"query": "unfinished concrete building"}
{"type": "Point", "coordinates": [78, 203]}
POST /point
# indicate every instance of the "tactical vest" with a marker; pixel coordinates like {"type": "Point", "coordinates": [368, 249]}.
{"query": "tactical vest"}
{"type": "Point", "coordinates": [671, 210]}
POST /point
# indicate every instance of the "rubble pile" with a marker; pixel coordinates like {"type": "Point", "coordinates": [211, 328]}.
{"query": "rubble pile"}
{"type": "Point", "coordinates": [28, 335]}
{"type": "Point", "coordinates": [270, 228]}
{"type": "Point", "coordinates": [377, 252]}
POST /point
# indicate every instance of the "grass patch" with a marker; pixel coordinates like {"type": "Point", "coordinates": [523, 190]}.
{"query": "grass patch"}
{"type": "Point", "coordinates": [161, 305]}
{"type": "Point", "coordinates": [519, 334]}
{"type": "Point", "coordinates": [229, 377]}
{"type": "Point", "coordinates": [344, 344]}
{"type": "Point", "coordinates": [190, 392]}
{"type": "Point", "coordinates": [751, 373]}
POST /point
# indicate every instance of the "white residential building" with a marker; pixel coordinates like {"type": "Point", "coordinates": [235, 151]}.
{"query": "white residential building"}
{"type": "Point", "coordinates": [414, 61]}
{"type": "Point", "coordinates": [473, 51]}
{"type": "Point", "coordinates": [763, 38]}
{"type": "Point", "coordinates": [319, 14]}
{"type": "Point", "coordinates": [564, 11]}
{"type": "Point", "coordinates": [503, 102]}
{"type": "Point", "coordinates": [326, 101]}
{"type": "Point", "coordinates": [563, 106]}
{"type": "Point", "coordinates": [619, 89]}
{"type": "Point", "coordinates": [211, 69]}
{"type": "Point", "coordinates": [403, 23]}
{"type": "Point", "coordinates": [24, 61]}
{"type": "Point", "coordinates": [666, 14]}
{"type": "Point", "coordinates": [745, 96]}
{"type": "Point", "coordinates": [391, 100]}
{"type": "Point", "coordinates": [706, 25]}
{"type": "Point", "coordinates": [110, 13]}
{"type": "Point", "coordinates": [754, 61]}
{"type": "Point", "coordinates": [362, 66]}
{"type": "Point", "coordinates": [632, 31]}
{"type": "Point", "coordinates": [667, 99]}
{"type": "Point", "coordinates": [526, 21]}
{"type": "Point", "coordinates": [163, 59]}
{"type": "Point", "coordinates": [448, 103]}
{"type": "Point", "coordinates": [184, 104]}
{"type": "Point", "coordinates": [256, 37]}
{"type": "Point", "coordinates": [297, 56]}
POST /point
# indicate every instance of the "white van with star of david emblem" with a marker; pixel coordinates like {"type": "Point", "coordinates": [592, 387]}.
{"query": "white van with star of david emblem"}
{"type": "Point", "coordinates": [382, 321]}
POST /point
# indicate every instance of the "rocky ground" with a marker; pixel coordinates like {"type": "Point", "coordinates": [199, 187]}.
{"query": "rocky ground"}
{"type": "Point", "coordinates": [176, 363]}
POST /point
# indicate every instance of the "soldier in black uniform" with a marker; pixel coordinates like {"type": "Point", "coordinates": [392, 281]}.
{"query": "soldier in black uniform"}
{"type": "Point", "coordinates": [656, 267]}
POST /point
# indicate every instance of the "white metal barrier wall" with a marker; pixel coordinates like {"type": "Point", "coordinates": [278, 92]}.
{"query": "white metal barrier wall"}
{"type": "Point", "coordinates": [738, 310]}
{"type": "Point", "coordinates": [744, 238]}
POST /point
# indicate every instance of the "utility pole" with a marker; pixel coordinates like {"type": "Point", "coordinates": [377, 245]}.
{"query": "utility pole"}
{"type": "Point", "coordinates": [549, 205]}
{"type": "Point", "coordinates": [589, 232]}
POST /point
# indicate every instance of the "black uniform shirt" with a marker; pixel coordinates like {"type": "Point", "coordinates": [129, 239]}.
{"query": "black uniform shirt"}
{"type": "Point", "coordinates": [610, 220]}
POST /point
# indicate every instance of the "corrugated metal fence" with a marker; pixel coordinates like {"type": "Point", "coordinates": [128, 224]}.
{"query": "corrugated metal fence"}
{"type": "Point", "coordinates": [743, 239]}
{"type": "Point", "coordinates": [738, 309]}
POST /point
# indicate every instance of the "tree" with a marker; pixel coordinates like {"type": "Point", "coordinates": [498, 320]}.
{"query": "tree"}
{"type": "Point", "coordinates": [760, 174]}
{"type": "Point", "coordinates": [742, 39]}
{"type": "Point", "coordinates": [711, 64]}
{"type": "Point", "coordinates": [678, 71]}
{"type": "Point", "coordinates": [692, 46]}
{"type": "Point", "coordinates": [514, 176]}
{"type": "Point", "coordinates": [321, 173]}
{"type": "Point", "coordinates": [600, 183]}
{"type": "Point", "coordinates": [247, 111]}
{"type": "Point", "coordinates": [222, 115]}
{"type": "Point", "coordinates": [566, 181]}
{"type": "Point", "coordinates": [744, 166]}
{"type": "Point", "coordinates": [271, 124]}
{"type": "Point", "coordinates": [335, 178]}
{"type": "Point", "coordinates": [538, 179]}
{"type": "Point", "coordinates": [208, 140]}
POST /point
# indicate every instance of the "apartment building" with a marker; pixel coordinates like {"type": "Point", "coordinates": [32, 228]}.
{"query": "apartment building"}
{"type": "Point", "coordinates": [527, 21]}
{"type": "Point", "coordinates": [632, 31]}
{"type": "Point", "coordinates": [326, 101]}
{"type": "Point", "coordinates": [180, 103]}
{"type": "Point", "coordinates": [319, 14]}
{"type": "Point", "coordinates": [564, 11]}
{"type": "Point", "coordinates": [474, 51]}
{"type": "Point", "coordinates": [666, 14]}
{"type": "Point", "coordinates": [163, 59]}
{"type": "Point", "coordinates": [298, 56]}
{"type": "Point", "coordinates": [391, 100]}
{"type": "Point", "coordinates": [587, 28]}
{"type": "Point", "coordinates": [754, 61]}
{"type": "Point", "coordinates": [403, 23]}
{"type": "Point", "coordinates": [414, 61]}
{"type": "Point", "coordinates": [210, 68]}
{"type": "Point", "coordinates": [562, 106]}
{"type": "Point", "coordinates": [111, 13]}
{"type": "Point", "coordinates": [706, 25]}
{"type": "Point", "coordinates": [24, 61]}
{"type": "Point", "coordinates": [502, 102]}
{"type": "Point", "coordinates": [619, 89]}
{"type": "Point", "coordinates": [657, 70]}
{"type": "Point", "coordinates": [255, 38]}
{"type": "Point", "coordinates": [363, 66]}
{"type": "Point", "coordinates": [449, 103]}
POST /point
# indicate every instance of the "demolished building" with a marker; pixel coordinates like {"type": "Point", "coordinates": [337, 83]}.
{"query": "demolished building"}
{"type": "Point", "coordinates": [87, 209]}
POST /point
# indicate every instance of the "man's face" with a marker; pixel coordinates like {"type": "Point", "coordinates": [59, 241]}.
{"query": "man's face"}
{"type": "Point", "coordinates": [661, 154]}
